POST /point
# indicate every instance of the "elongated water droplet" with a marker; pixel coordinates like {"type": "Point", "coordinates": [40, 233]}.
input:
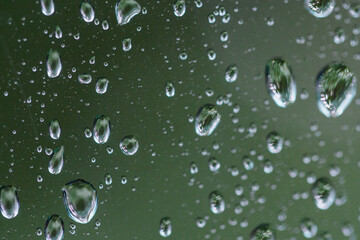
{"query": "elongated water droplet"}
{"type": "Point", "coordinates": [9, 202]}
{"type": "Point", "coordinates": [84, 78]}
{"type": "Point", "coordinates": [87, 11]}
{"type": "Point", "coordinates": [207, 119]}
{"type": "Point", "coordinates": [56, 162]}
{"type": "Point", "coordinates": [274, 142]}
{"type": "Point", "coordinates": [280, 83]}
{"type": "Point", "coordinates": [54, 228]}
{"type": "Point", "coordinates": [47, 7]}
{"type": "Point", "coordinates": [179, 8]}
{"type": "Point", "coordinates": [81, 201]}
{"type": "Point", "coordinates": [320, 8]}
{"type": "Point", "coordinates": [101, 85]}
{"type": "Point", "coordinates": [165, 227]}
{"type": "Point", "coordinates": [335, 89]}
{"type": "Point", "coordinates": [54, 129]}
{"type": "Point", "coordinates": [129, 145]}
{"type": "Point", "coordinates": [324, 193]}
{"type": "Point", "coordinates": [58, 32]}
{"type": "Point", "coordinates": [217, 203]}
{"type": "Point", "coordinates": [101, 129]}
{"type": "Point", "coordinates": [125, 10]}
{"type": "Point", "coordinates": [263, 232]}
{"type": "Point", "coordinates": [53, 64]}
{"type": "Point", "coordinates": [231, 73]}
{"type": "Point", "coordinates": [308, 228]}
{"type": "Point", "coordinates": [126, 44]}
{"type": "Point", "coordinates": [169, 89]}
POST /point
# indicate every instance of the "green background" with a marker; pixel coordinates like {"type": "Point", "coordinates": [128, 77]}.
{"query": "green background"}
{"type": "Point", "coordinates": [158, 174]}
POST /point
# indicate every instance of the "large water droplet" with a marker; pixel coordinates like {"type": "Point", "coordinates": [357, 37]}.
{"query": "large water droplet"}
{"type": "Point", "coordinates": [80, 199]}
{"type": "Point", "coordinates": [207, 119]}
{"type": "Point", "coordinates": [125, 10]}
{"type": "Point", "coordinates": [56, 162]}
{"type": "Point", "coordinates": [320, 8]}
{"type": "Point", "coordinates": [84, 78]}
{"type": "Point", "coordinates": [9, 202]}
{"type": "Point", "coordinates": [87, 11]}
{"type": "Point", "coordinates": [165, 227]}
{"type": "Point", "coordinates": [129, 145]}
{"type": "Point", "coordinates": [280, 83]}
{"type": "Point", "coordinates": [54, 228]}
{"type": "Point", "coordinates": [274, 142]}
{"type": "Point", "coordinates": [101, 129]}
{"type": "Point", "coordinates": [308, 228]}
{"type": "Point", "coordinates": [179, 8]}
{"type": "Point", "coordinates": [217, 203]}
{"type": "Point", "coordinates": [53, 64]}
{"type": "Point", "coordinates": [335, 89]}
{"type": "Point", "coordinates": [231, 73]}
{"type": "Point", "coordinates": [263, 232]}
{"type": "Point", "coordinates": [47, 7]}
{"type": "Point", "coordinates": [54, 129]}
{"type": "Point", "coordinates": [101, 85]}
{"type": "Point", "coordinates": [324, 193]}
{"type": "Point", "coordinates": [169, 89]}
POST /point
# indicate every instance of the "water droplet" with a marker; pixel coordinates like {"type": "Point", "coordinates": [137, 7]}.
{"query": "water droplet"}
{"type": "Point", "coordinates": [200, 222]}
{"type": "Point", "coordinates": [108, 179]}
{"type": "Point", "coordinates": [308, 228]}
{"type": "Point", "coordinates": [58, 32]}
{"type": "Point", "coordinates": [207, 119]}
{"type": "Point", "coordinates": [193, 168]}
{"type": "Point", "coordinates": [101, 85]}
{"type": "Point", "coordinates": [101, 129]}
{"type": "Point", "coordinates": [54, 228]}
{"type": "Point", "coordinates": [324, 193]}
{"type": "Point", "coordinates": [335, 89]}
{"type": "Point", "coordinates": [274, 142]}
{"type": "Point", "coordinates": [125, 10]}
{"type": "Point", "coordinates": [56, 162]}
{"type": "Point", "coordinates": [47, 7]}
{"type": "Point", "coordinates": [54, 129]}
{"type": "Point", "coordinates": [339, 36]}
{"type": "Point", "coordinates": [279, 82]}
{"type": "Point", "coordinates": [247, 163]}
{"type": "Point", "coordinates": [9, 202]}
{"type": "Point", "coordinates": [126, 44]}
{"type": "Point", "coordinates": [53, 64]}
{"type": "Point", "coordinates": [105, 25]}
{"type": "Point", "coordinates": [87, 11]}
{"type": "Point", "coordinates": [80, 199]}
{"type": "Point", "coordinates": [84, 78]}
{"type": "Point", "coordinates": [354, 10]}
{"type": "Point", "coordinates": [214, 165]}
{"type": "Point", "coordinates": [169, 89]}
{"type": "Point", "coordinates": [231, 73]}
{"type": "Point", "coordinates": [217, 203]}
{"type": "Point", "coordinates": [88, 133]}
{"type": "Point", "coordinates": [211, 55]}
{"type": "Point", "coordinates": [179, 8]}
{"type": "Point", "coordinates": [165, 227]}
{"type": "Point", "coordinates": [263, 232]}
{"type": "Point", "coordinates": [129, 145]}
{"type": "Point", "coordinates": [320, 9]}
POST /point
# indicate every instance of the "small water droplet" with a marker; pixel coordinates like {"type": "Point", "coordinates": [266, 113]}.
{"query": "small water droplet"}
{"type": "Point", "coordinates": [274, 142]}
{"type": "Point", "coordinates": [101, 85]}
{"type": "Point", "coordinates": [179, 8]}
{"type": "Point", "coordinates": [217, 203]}
{"type": "Point", "coordinates": [324, 193]}
{"type": "Point", "coordinates": [320, 9]}
{"type": "Point", "coordinates": [207, 119]}
{"type": "Point", "coordinates": [54, 129]}
{"type": "Point", "coordinates": [129, 145]}
{"type": "Point", "coordinates": [101, 129]}
{"type": "Point", "coordinates": [56, 162]}
{"type": "Point", "coordinates": [165, 227]}
{"type": "Point", "coordinates": [169, 89]}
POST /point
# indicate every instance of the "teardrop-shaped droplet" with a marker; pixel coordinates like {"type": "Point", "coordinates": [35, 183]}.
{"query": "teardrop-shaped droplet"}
{"type": "Point", "coordinates": [129, 145]}
{"type": "Point", "coordinates": [125, 10]}
{"type": "Point", "coordinates": [231, 73]}
{"type": "Point", "coordinates": [58, 32]}
{"type": "Point", "coordinates": [169, 89]}
{"type": "Point", "coordinates": [279, 82]}
{"type": "Point", "coordinates": [263, 232]}
{"type": "Point", "coordinates": [308, 228]}
{"type": "Point", "coordinates": [9, 202]}
{"type": "Point", "coordinates": [217, 203]}
{"type": "Point", "coordinates": [165, 227]}
{"type": "Point", "coordinates": [54, 228]}
{"type": "Point", "coordinates": [320, 8]}
{"type": "Point", "coordinates": [53, 64]}
{"type": "Point", "coordinates": [87, 11]}
{"type": "Point", "coordinates": [84, 78]}
{"type": "Point", "coordinates": [81, 201]}
{"type": "Point", "coordinates": [54, 129]}
{"type": "Point", "coordinates": [274, 142]}
{"type": "Point", "coordinates": [335, 89]}
{"type": "Point", "coordinates": [47, 7]}
{"type": "Point", "coordinates": [101, 129]}
{"type": "Point", "coordinates": [56, 162]}
{"type": "Point", "coordinates": [207, 119]}
{"type": "Point", "coordinates": [324, 193]}
{"type": "Point", "coordinates": [179, 8]}
{"type": "Point", "coordinates": [101, 85]}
